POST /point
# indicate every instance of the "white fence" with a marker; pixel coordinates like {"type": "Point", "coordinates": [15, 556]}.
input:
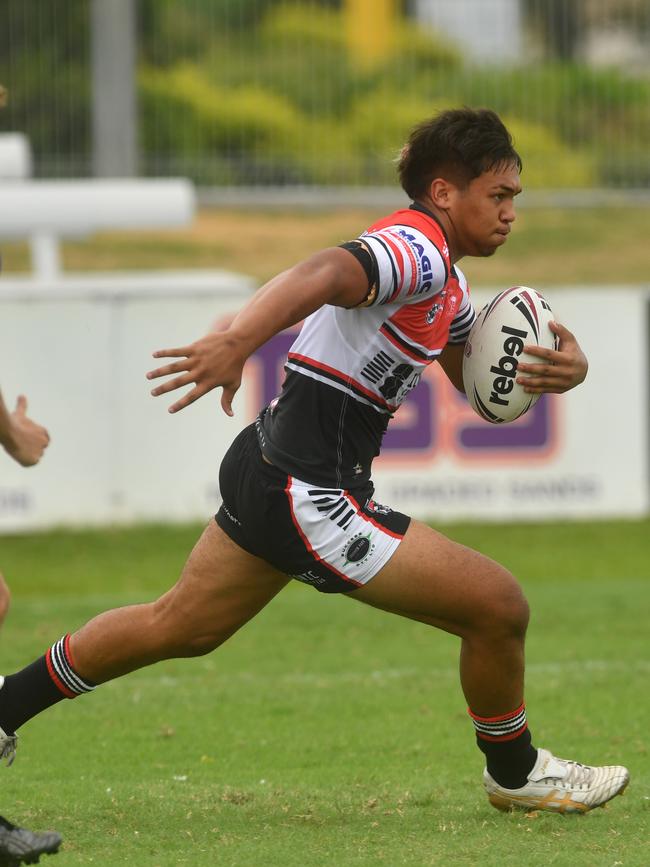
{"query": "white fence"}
{"type": "Point", "coordinates": [80, 348]}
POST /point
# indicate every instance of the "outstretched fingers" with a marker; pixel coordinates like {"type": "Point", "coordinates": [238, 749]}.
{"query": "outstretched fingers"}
{"type": "Point", "coordinates": [208, 363]}
{"type": "Point", "coordinates": [197, 392]}
{"type": "Point", "coordinates": [167, 369]}
{"type": "Point", "coordinates": [171, 384]}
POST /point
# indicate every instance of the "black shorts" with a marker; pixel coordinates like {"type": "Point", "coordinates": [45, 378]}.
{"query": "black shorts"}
{"type": "Point", "coordinates": [334, 539]}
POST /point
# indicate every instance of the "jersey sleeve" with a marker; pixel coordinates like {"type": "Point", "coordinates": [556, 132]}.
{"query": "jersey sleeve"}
{"type": "Point", "coordinates": [464, 318]}
{"type": "Point", "coordinates": [407, 267]}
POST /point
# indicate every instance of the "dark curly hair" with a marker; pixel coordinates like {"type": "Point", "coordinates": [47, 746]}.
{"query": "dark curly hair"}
{"type": "Point", "coordinates": [459, 145]}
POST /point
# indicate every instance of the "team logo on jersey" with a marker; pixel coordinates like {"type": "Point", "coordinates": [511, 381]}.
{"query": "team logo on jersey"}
{"type": "Point", "coordinates": [358, 549]}
{"type": "Point", "coordinates": [377, 366]}
{"type": "Point", "coordinates": [401, 380]}
{"type": "Point", "coordinates": [437, 307]}
{"type": "Point", "coordinates": [426, 271]}
{"type": "Point", "coordinates": [431, 315]}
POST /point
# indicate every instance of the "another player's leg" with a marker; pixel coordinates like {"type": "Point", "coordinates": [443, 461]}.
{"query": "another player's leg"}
{"type": "Point", "coordinates": [436, 581]}
{"type": "Point", "coordinates": [220, 589]}
{"type": "Point", "coordinates": [20, 846]}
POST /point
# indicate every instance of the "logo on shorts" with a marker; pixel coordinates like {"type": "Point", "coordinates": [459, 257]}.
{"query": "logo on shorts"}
{"type": "Point", "coordinates": [358, 549]}
{"type": "Point", "coordinates": [377, 508]}
{"type": "Point", "coordinates": [230, 515]}
{"type": "Point", "coordinates": [309, 577]}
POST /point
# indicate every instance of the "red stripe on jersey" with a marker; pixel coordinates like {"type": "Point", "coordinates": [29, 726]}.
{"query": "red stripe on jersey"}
{"type": "Point", "coordinates": [307, 543]}
{"type": "Point", "coordinates": [397, 239]}
{"type": "Point", "coordinates": [399, 260]}
{"type": "Point", "coordinates": [403, 347]}
{"type": "Point", "coordinates": [343, 378]}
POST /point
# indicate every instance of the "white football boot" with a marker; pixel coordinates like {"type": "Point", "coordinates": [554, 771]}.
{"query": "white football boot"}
{"type": "Point", "coordinates": [8, 745]}
{"type": "Point", "coordinates": [560, 786]}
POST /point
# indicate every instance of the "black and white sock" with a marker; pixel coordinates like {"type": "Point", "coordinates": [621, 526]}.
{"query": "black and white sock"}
{"type": "Point", "coordinates": [506, 742]}
{"type": "Point", "coordinates": [48, 680]}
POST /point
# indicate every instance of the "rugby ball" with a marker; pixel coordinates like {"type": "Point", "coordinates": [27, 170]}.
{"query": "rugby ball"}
{"type": "Point", "coordinates": [517, 317]}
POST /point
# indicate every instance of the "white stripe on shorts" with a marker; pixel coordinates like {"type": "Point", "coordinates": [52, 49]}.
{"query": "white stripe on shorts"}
{"type": "Point", "coordinates": [337, 533]}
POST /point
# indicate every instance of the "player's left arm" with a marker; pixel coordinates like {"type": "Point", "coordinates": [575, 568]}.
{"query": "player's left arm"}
{"type": "Point", "coordinates": [451, 361]}
{"type": "Point", "coordinates": [557, 370]}
{"type": "Point", "coordinates": [451, 357]}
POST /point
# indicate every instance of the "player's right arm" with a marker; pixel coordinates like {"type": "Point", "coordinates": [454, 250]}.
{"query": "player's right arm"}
{"type": "Point", "coordinates": [333, 276]}
{"type": "Point", "coordinates": [23, 439]}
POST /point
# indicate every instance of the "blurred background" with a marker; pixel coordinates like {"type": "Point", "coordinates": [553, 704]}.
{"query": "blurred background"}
{"type": "Point", "coordinates": [320, 92]}
{"type": "Point", "coordinates": [268, 129]}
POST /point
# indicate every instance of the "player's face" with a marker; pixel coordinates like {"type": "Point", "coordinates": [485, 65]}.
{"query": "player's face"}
{"type": "Point", "coordinates": [482, 213]}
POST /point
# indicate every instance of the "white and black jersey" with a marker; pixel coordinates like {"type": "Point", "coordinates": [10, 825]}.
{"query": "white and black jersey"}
{"type": "Point", "coordinates": [350, 369]}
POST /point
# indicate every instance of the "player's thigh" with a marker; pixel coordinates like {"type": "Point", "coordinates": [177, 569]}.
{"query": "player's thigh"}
{"type": "Point", "coordinates": [435, 580]}
{"type": "Point", "coordinates": [221, 585]}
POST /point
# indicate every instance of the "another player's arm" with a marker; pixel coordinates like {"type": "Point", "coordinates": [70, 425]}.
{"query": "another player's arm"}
{"type": "Point", "coordinates": [332, 276]}
{"type": "Point", "coordinates": [558, 370]}
{"type": "Point", "coordinates": [23, 439]}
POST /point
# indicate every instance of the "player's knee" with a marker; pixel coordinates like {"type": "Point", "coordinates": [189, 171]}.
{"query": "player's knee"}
{"type": "Point", "coordinates": [509, 610]}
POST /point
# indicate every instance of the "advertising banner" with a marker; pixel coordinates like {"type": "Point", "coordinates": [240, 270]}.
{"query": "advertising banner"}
{"type": "Point", "coordinates": [118, 456]}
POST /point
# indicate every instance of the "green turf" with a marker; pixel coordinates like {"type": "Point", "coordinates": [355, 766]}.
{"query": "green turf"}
{"type": "Point", "coordinates": [327, 733]}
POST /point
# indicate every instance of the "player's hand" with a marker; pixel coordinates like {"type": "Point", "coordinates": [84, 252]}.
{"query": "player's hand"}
{"type": "Point", "coordinates": [28, 439]}
{"type": "Point", "coordinates": [558, 370]}
{"type": "Point", "coordinates": [214, 360]}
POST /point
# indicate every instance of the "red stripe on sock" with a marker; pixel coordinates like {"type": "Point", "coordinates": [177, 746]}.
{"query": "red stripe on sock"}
{"type": "Point", "coordinates": [495, 719]}
{"type": "Point", "coordinates": [58, 683]}
{"type": "Point", "coordinates": [68, 653]}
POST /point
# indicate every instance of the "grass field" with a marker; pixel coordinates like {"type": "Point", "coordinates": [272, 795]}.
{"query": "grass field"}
{"type": "Point", "coordinates": [327, 733]}
{"type": "Point", "coordinates": [546, 248]}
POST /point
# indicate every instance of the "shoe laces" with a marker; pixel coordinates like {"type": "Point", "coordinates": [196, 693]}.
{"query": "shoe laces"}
{"type": "Point", "coordinates": [577, 775]}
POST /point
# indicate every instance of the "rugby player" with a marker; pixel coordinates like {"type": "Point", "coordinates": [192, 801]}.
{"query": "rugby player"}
{"type": "Point", "coordinates": [298, 500]}
{"type": "Point", "coordinates": [25, 441]}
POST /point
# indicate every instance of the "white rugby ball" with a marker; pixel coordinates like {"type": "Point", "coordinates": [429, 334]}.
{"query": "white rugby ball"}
{"type": "Point", "coordinates": [516, 317]}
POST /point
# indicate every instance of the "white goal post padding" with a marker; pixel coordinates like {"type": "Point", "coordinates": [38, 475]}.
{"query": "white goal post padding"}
{"type": "Point", "coordinates": [78, 208]}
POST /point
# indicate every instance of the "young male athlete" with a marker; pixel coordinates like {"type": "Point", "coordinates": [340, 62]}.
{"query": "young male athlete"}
{"type": "Point", "coordinates": [25, 441]}
{"type": "Point", "coordinates": [296, 485]}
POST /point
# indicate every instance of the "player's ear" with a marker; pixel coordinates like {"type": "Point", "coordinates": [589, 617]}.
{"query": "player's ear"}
{"type": "Point", "coordinates": [440, 192]}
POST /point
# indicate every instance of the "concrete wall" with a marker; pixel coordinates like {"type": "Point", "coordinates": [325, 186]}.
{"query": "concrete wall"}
{"type": "Point", "coordinates": [80, 349]}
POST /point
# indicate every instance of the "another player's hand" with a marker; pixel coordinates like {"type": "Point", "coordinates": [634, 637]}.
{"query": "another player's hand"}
{"type": "Point", "coordinates": [559, 369]}
{"type": "Point", "coordinates": [214, 360]}
{"type": "Point", "coordinates": [28, 439]}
